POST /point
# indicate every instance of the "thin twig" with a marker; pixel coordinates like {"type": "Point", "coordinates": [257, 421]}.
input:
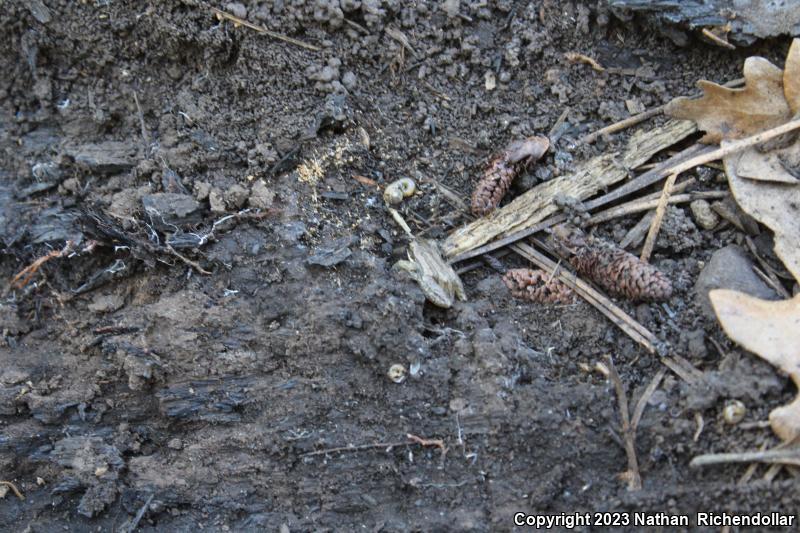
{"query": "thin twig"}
{"type": "Point", "coordinates": [655, 225]}
{"type": "Point", "coordinates": [260, 29]}
{"type": "Point", "coordinates": [631, 327]}
{"type": "Point", "coordinates": [621, 125]}
{"type": "Point", "coordinates": [773, 279]}
{"type": "Point", "coordinates": [411, 439]}
{"type": "Point", "coordinates": [195, 265]}
{"type": "Point", "coordinates": [632, 475]}
{"type": "Point", "coordinates": [636, 119]}
{"type": "Point", "coordinates": [13, 488]}
{"type": "Point", "coordinates": [717, 39]}
{"type": "Point", "coordinates": [576, 57]}
{"type": "Point", "coordinates": [24, 276]}
{"type": "Point", "coordinates": [781, 455]}
{"type": "Point", "coordinates": [145, 138]}
{"type": "Point", "coordinates": [732, 147]}
{"type": "Point", "coordinates": [642, 403]}
{"type": "Point", "coordinates": [636, 184]}
{"type": "Point", "coordinates": [642, 204]}
{"type": "Point", "coordinates": [773, 471]}
{"type": "Point", "coordinates": [139, 515]}
{"type": "Point", "coordinates": [627, 324]}
{"type": "Point", "coordinates": [683, 369]}
{"type": "Point", "coordinates": [554, 130]}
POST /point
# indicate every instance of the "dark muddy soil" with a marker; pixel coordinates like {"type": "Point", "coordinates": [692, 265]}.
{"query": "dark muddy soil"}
{"type": "Point", "coordinates": [138, 393]}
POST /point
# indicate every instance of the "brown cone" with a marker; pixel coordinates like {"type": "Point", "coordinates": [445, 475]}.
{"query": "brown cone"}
{"type": "Point", "coordinates": [612, 268]}
{"type": "Point", "coordinates": [537, 286]}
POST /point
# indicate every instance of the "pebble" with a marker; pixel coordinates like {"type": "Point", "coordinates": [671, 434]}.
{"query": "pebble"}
{"type": "Point", "coordinates": [729, 268]}
{"type": "Point", "coordinates": [261, 196]}
{"type": "Point", "coordinates": [236, 196]}
{"type": "Point", "coordinates": [705, 217]}
{"type": "Point", "coordinates": [168, 209]}
{"type": "Point", "coordinates": [216, 201]}
{"type": "Point", "coordinates": [349, 80]}
{"type": "Point", "coordinates": [236, 9]}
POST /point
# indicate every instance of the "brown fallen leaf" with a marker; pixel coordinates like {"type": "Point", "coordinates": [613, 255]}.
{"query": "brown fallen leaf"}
{"type": "Point", "coordinates": [766, 166]}
{"type": "Point", "coordinates": [770, 330]}
{"type": "Point", "coordinates": [769, 98]}
{"type": "Point", "coordinates": [791, 77]}
{"type": "Point", "coordinates": [763, 179]}
{"type": "Point", "coordinates": [776, 205]}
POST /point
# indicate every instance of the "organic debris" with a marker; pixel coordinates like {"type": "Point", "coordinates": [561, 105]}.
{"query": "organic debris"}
{"type": "Point", "coordinates": [538, 286]}
{"type": "Point", "coordinates": [502, 170]}
{"type": "Point", "coordinates": [770, 330]}
{"type": "Point", "coordinates": [522, 216]}
{"type": "Point", "coordinates": [776, 205]}
{"type": "Point", "coordinates": [735, 113]}
{"type": "Point", "coordinates": [398, 190]}
{"type": "Point", "coordinates": [437, 279]}
{"type": "Point", "coordinates": [763, 182]}
{"type": "Point", "coordinates": [762, 179]}
{"type": "Point", "coordinates": [612, 268]}
{"type": "Point", "coordinates": [742, 22]}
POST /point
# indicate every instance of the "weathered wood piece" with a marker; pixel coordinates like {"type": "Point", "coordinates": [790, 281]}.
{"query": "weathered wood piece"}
{"type": "Point", "coordinates": [595, 175]}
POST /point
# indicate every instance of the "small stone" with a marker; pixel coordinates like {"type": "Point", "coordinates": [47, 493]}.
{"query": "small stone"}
{"type": "Point", "coordinates": [261, 197]}
{"type": "Point", "coordinates": [175, 444]}
{"type": "Point", "coordinates": [327, 74]}
{"type": "Point", "coordinates": [109, 157]}
{"type": "Point", "coordinates": [490, 81]}
{"type": "Point", "coordinates": [236, 196]}
{"type": "Point", "coordinates": [71, 185]}
{"type": "Point", "coordinates": [236, 9]}
{"type": "Point", "coordinates": [451, 7]}
{"type": "Point", "coordinates": [349, 80]}
{"type": "Point", "coordinates": [202, 190]}
{"type": "Point", "coordinates": [106, 303]}
{"type": "Point", "coordinates": [216, 201]}
{"type": "Point", "coordinates": [291, 231]}
{"type": "Point", "coordinates": [729, 268]}
{"type": "Point", "coordinates": [397, 373]}
{"type": "Point", "coordinates": [696, 344]}
{"type": "Point", "coordinates": [705, 217]}
{"type": "Point", "coordinates": [167, 210]}
{"type": "Point", "coordinates": [331, 255]}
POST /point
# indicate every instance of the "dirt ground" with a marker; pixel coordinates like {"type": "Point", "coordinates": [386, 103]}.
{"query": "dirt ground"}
{"type": "Point", "coordinates": [138, 393]}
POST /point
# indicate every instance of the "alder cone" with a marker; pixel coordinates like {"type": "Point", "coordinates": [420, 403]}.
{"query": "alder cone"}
{"type": "Point", "coordinates": [615, 270]}
{"type": "Point", "coordinates": [502, 170]}
{"type": "Point", "coordinates": [537, 286]}
{"type": "Point", "coordinates": [493, 186]}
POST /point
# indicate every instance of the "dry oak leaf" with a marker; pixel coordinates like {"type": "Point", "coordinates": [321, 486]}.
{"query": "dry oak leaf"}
{"type": "Point", "coordinates": [770, 330]}
{"type": "Point", "coordinates": [776, 205]}
{"type": "Point", "coordinates": [770, 97]}
{"type": "Point", "coordinates": [770, 166]}
{"type": "Point", "coordinates": [791, 77]}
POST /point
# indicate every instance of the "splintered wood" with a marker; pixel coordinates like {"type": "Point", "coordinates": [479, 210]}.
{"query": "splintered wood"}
{"type": "Point", "coordinates": [594, 176]}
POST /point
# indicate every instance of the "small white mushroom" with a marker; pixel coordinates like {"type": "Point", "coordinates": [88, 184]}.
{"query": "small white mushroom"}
{"type": "Point", "coordinates": [397, 373]}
